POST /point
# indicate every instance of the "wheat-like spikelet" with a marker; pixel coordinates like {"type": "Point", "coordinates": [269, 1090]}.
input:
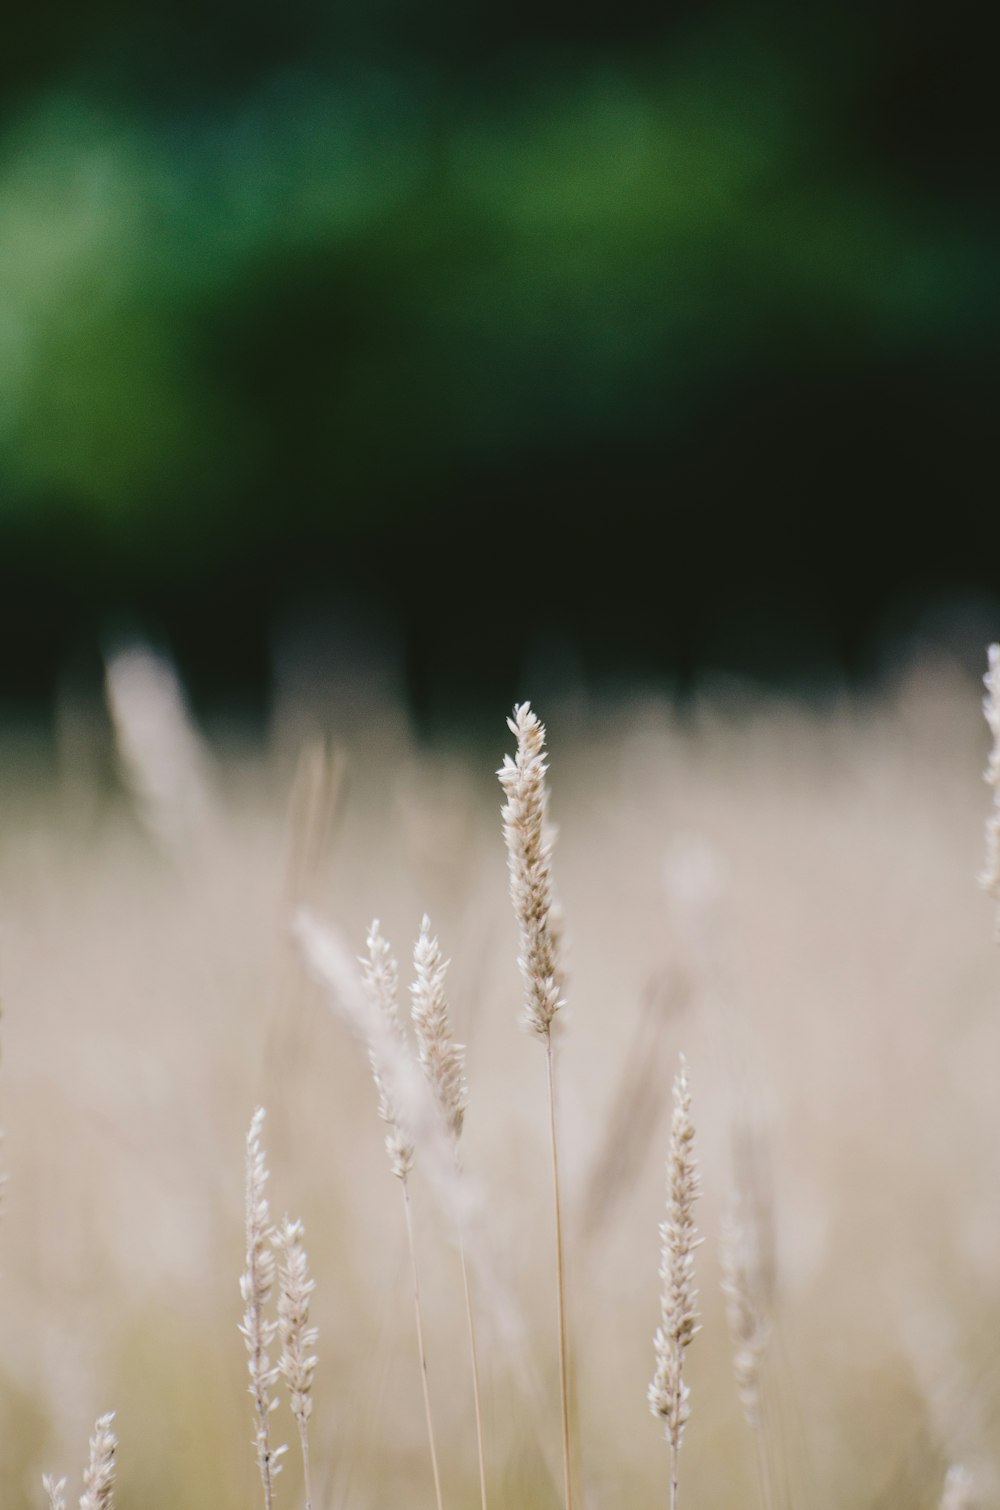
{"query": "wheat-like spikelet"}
{"type": "Point", "coordinates": [529, 838]}
{"type": "Point", "coordinates": [381, 977]}
{"type": "Point", "coordinates": [958, 1489]}
{"type": "Point", "coordinates": [256, 1284]}
{"type": "Point", "coordinates": [3, 1172]}
{"type": "Point", "coordinates": [398, 1077]}
{"type": "Point", "coordinates": [99, 1478]}
{"type": "Point", "coordinates": [529, 860]}
{"type": "Point", "coordinates": [297, 1362]}
{"type": "Point", "coordinates": [443, 1059]}
{"type": "Point", "coordinates": [55, 1490]}
{"type": "Point", "coordinates": [389, 1056]}
{"type": "Point", "coordinates": [668, 1394]}
{"type": "Point", "coordinates": [989, 878]}
{"type": "Point", "coordinates": [443, 1063]}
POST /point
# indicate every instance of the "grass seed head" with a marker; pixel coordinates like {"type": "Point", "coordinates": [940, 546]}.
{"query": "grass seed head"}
{"type": "Point", "coordinates": [387, 1047]}
{"type": "Point", "coordinates": [55, 1490]}
{"type": "Point", "coordinates": [99, 1478]}
{"type": "Point", "coordinates": [529, 839]}
{"type": "Point", "coordinates": [297, 1362]}
{"type": "Point", "coordinates": [256, 1285]}
{"type": "Point", "coordinates": [668, 1394]}
{"type": "Point", "coordinates": [989, 878]}
{"type": "Point", "coordinates": [442, 1059]}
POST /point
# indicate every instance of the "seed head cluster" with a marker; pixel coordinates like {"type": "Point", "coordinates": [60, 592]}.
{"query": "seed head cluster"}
{"type": "Point", "coordinates": [256, 1284]}
{"type": "Point", "coordinates": [989, 878]}
{"type": "Point", "coordinates": [297, 1363]}
{"type": "Point", "coordinates": [442, 1059]}
{"type": "Point", "coordinates": [668, 1394]}
{"type": "Point", "coordinates": [529, 841]}
{"type": "Point", "coordinates": [381, 977]}
{"type": "Point", "coordinates": [99, 1478]}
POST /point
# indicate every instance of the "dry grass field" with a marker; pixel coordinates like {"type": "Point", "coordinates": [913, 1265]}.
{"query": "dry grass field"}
{"type": "Point", "coordinates": [785, 894]}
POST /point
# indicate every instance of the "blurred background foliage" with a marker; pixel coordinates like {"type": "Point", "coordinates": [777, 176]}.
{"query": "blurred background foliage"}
{"type": "Point", "coordinates": [676, 324]}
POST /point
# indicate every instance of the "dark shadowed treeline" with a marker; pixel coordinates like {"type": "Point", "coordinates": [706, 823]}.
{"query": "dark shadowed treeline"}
{"type": "Point", "coordinates": [674, 325]}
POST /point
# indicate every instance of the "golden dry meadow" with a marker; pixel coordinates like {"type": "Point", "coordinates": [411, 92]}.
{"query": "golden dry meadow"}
{"type": "Point", "coordinates": [784, 893]}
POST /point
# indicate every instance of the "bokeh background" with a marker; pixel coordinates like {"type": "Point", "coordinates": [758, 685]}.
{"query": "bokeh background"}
{"type": "Point", "coordinates": [644, 340]}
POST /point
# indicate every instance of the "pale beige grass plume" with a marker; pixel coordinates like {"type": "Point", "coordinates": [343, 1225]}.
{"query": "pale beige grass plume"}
{"type": "Point", "coordinates": [443, 1062]}
{"type": "Point", "coordinates": [668, 1394]}
{"type": "Point", "coordinates": [99, 1474]}
{"type": "Point", "coordinates": [989, 878]}
{"type": "Point", "coordinates": [289, 1273]}
{"type": "Point", "coordinates": [297, 1361]}
{"type": "Point", "coordinates": [529, 860]}
{"type": "Point", "coordinates": [381, 977]}
{"type": "Point", "coordinates": [367, 1002]}
{"type": "Point", "coordinates": [55, 1491]}
{"type": "Point", "coordinates": [442, 1059]}
{"type": "Point", "coordinates": [529, 838]}
{"type": "Point", "coordinates": [259, 1330]}
{"type": "Point", "coordinates": [99, 1477]}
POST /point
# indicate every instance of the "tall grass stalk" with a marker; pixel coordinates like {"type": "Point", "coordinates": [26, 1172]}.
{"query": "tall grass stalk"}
{"type": "Point", "coordinates": [418, 1314]}
{"type": "Point", "coordinates": [443, 1063]}
{"type": "Point", "coordinates": [256, 1284]}
{"type": "Point", "coordinates": [560, 1277]}
{"type": "Point", "coordinates": [381, 978]}
{"type": "Point", "coordinates": [297, 1362]}
{"type": "Point", "coordinates": [474, 1358]}
{"type": "Point", "coordinates": [529, 838]}
{"type": "Point", "coordinates": [668, 1394]}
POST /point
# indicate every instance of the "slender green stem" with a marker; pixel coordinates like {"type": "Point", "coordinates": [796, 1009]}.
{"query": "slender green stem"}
{"type": "Point", "coordinates": [475, 1373]}
{"type": "Point", "coordinates": [420, 1344]}
{"type": "Point", "coordinates": [560, 1277]}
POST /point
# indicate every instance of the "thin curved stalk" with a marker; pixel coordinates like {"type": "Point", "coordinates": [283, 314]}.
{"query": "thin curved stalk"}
{"type": "Point", "coordinates": [475, 1375]}
{"type": "Point", "coordinates": [560, 1280]}
{"type": "Point", "coordinates": [420, 1344]}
